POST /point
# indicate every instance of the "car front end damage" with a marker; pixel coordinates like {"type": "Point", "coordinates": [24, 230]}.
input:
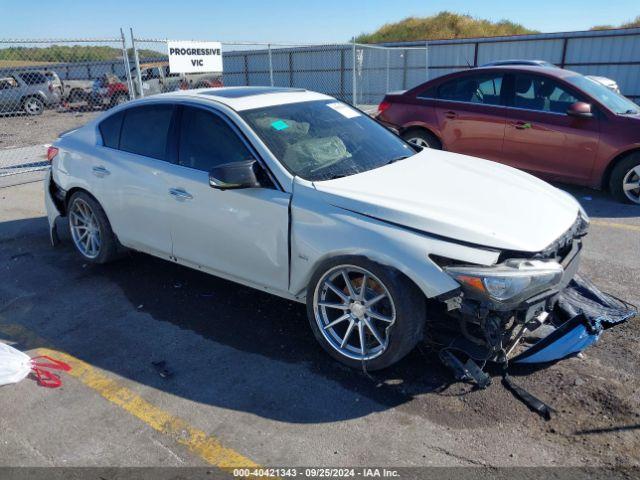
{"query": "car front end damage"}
{"type": "Point", "coordinates": [526, 309]}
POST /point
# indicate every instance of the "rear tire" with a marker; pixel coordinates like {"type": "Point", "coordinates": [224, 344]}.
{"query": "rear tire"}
{"type": "Point", "coordinates": [119, 99]}
{"type": "Point", "coordinates": [90, 229]}
{"type": "Point", "coordinates": [77, 96]}
{"type": "Point", "coordinates": [624, 183]}
{"type": "Point", "coordinates": [422, 138]}
{"type": "Point", "coordinates": [33, 106]}
{"type": "Point", "coordinates": [399, 300]}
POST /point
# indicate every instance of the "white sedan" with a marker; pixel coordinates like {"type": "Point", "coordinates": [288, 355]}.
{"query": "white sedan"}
{"type": "Point", "coordinates": [298, 194]}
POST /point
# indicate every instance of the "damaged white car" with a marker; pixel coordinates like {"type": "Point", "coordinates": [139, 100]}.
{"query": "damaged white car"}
{"type": "Point", "coordinates": [300, 195]}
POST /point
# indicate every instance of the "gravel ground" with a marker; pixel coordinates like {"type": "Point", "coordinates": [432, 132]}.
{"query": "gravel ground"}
{"type": "Point", "coordinates": [246, 367]}
{"type": "Point", "coordinates": [23, 130]}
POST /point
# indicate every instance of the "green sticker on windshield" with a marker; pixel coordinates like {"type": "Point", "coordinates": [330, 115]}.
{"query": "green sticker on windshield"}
{"type": "Point", "coordinates": [279, 125]}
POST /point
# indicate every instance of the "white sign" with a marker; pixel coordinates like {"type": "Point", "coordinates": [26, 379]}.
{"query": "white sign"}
{"type": "Point", "coordinates": [195, 57]}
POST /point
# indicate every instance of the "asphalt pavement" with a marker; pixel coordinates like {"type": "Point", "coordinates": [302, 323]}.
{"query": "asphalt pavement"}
{"type": "Point", "coordinates": [171, 367]}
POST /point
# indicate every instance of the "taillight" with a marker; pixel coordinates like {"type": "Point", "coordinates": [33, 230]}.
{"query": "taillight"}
{"type": "Point", "coordinates": [51, 153]}
{"type": "Point", "coordinates": [383, 106]}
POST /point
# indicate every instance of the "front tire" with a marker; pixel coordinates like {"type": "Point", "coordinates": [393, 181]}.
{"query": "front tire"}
{"type": "Point", "coordinates": [421, 138]}
{"type": "Point", "coordinates": [90, 229]}
{"type": "Point", "coordinates": [364, 313]}
{"type": "Point", "coordinates": [624, 183]}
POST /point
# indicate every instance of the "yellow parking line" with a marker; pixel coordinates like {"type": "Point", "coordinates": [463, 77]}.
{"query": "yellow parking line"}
{"type": "Point", "coordinates": [207, 447]}
{"type": "Point", "coordinates": [623, 226]}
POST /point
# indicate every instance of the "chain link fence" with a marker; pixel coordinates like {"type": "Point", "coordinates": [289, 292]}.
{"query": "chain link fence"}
{"type": "Point", "coordinates": [51, 86]}
{"type": "Point", "coordinates": [354, 73]}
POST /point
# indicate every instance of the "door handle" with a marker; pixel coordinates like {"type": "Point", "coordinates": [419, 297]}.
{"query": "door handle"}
{"type": "Point", "coordinates": [180, 194]}
{"type": "Point", "coordinates": [451, 114]}
{"type": "Point", "coordinates": [522, 125]}
{"type": "Point", "coordinates": [100, 171]}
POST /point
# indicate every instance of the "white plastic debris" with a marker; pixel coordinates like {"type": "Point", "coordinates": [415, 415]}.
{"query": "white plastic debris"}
{"type": "Point", "coordinates": [14, 365]}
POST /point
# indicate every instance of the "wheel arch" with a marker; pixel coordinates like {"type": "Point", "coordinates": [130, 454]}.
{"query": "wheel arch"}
{"type": "Point", "coordinates": [606, 176]}
{"type": "Point", "coordinates": [76, 189]}
{"type": "Point", "coordinates": [417, 278]}
{"type": "Point", "coordinates": [421, 127]}
{"type": "Point", "coordinates": [39, 95]}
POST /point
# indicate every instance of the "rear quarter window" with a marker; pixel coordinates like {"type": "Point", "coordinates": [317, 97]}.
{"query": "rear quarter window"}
{"type": "Point", "coordinates": [110, 130]}
{"type": "Point", "coordinates": [429, 93]}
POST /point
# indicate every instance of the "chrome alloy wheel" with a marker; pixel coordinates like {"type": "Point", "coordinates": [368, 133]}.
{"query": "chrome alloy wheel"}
{"type": "Point", "coordinates": [354, 312]}
{"type": "Point", "coordinates": [33, 106]}
{"type": "Point", "coordinates": [631, 184]}
{"type": "Point", "coordinates": [420, 142]}
{"type": "Point", "coordinates": [85, 229]}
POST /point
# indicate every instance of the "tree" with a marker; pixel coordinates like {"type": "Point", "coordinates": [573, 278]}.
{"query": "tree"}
{"type": "Point", "coordinates": [631, 24]}
{"type": "Point", "coordinates": [442, 25]}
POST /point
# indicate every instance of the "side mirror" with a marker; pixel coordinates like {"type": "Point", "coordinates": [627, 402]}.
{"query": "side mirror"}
{"type": "Point", "coordinates": [580, 109]}
{"type": "Point", "coordinates": [241, 174]}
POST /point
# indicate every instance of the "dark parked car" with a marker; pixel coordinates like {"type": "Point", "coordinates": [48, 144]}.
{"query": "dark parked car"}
{"type": "Point", "coordinates": [554, 123]}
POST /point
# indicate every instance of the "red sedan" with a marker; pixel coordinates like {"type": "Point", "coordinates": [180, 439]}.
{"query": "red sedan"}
{"type": "Point", "coordinates": [554, 123]}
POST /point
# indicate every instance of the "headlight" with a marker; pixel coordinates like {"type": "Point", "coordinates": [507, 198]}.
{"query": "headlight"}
{"type": "Point", "coordinates": [508, 282]}
{"type": "Point", "coordinates": [584, 216]}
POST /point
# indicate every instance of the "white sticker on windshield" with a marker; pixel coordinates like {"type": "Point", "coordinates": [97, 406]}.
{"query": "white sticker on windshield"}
{"type": "Point", "coordinates": [344, 110]}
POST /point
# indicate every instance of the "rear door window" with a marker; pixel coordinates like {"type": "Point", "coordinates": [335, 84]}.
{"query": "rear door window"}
{"type": "Point", "coordinates": [480, 88]}
{"type": "Point", "coordinates": [145, 130]}
{"type": "Point", "coordinates": [110, 130]}
{"type": "Point", "coordinates": [207, 141]}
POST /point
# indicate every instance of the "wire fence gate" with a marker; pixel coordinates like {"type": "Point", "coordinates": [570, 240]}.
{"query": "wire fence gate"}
{"type": "Point", "coordinates": [51, 86]}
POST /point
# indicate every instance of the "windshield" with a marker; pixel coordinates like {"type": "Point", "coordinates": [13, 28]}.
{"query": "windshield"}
{"type": "Point", "coordinates": [325, 139]}
{"type": "Point", "coordinates": [610, 99]}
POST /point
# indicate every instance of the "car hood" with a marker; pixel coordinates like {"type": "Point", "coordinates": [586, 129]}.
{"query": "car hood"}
{"type": "Point", "coordinates": [460, 197]}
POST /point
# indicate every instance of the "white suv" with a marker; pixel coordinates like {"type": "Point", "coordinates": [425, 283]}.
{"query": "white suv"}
{"type": "Point", "coordinates": [300, 195]}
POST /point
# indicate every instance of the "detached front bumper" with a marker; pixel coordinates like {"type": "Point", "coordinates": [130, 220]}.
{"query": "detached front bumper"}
{"type": "Point", "coordinates": [549, 326]}
{"type": "Point", "coordinates": [580, 315]}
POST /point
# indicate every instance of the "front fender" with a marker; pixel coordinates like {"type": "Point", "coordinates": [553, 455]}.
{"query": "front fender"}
{"type": "Point", "coordinates": [320, 231]}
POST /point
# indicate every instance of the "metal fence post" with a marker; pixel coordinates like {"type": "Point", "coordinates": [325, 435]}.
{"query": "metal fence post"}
{"type": "Point", "coordinates": [404, 69]}
{"type": "Point", "coordinates": [353, 93]}
{"type": "Point", "coordinates": [270, 65]}
{"type": "Point", "coordinates": [343, 95]}
{"type": "Point", "coordinates": [137, 60]}
{"type": "Point", "coordinates": [426, 60]}
{"type": "Point", "coordinates": [127, 66]}
{"type": "Point", "coordinates": [388, 50]}
{"type": "Point", "coordinates": [246, 70]}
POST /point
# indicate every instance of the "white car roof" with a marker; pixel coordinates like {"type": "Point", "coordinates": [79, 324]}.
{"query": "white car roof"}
{"type": "Point", "coordinates": [247, 98]}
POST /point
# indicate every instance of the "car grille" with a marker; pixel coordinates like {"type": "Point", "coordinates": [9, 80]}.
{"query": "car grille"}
{"type": "Point", "coordinates": [559, 248]}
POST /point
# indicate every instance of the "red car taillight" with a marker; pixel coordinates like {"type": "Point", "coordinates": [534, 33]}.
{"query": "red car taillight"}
{"type": "Point", "coordinates": [383, 106]}
{"type": "Point", "coordinates": [51, 153]}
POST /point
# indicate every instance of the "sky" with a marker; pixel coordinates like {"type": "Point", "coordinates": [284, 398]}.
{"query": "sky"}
{"type": "Point", "coordinates": [303, 21]}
